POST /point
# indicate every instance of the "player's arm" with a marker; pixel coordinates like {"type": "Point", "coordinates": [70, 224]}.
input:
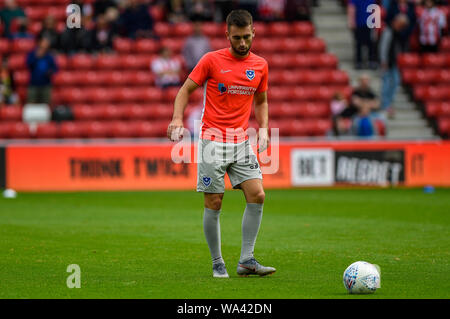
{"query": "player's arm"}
{"type": "Point", "coordinates": [175, 129]}
{"type": "Point", "coordinates": [262, 117]}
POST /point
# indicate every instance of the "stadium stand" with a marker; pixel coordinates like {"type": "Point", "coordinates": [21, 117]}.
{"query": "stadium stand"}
{"type": "Point", "coordinates": [427, 77]}
{"type": "Point", "coordinates": [114, 94]}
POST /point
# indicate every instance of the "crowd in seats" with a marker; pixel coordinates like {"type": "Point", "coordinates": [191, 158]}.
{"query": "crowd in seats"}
{"type": "Point", "coordinates": [425, 71]}
{"type": "Point", "coordinates": [112, 86]}
{"type": "Point", "coordinates": [412, 40]}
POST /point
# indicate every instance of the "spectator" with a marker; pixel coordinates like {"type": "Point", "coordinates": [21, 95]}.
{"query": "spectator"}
{"type": "Point", "coordinates": [195, 47]}
{"type": "Point", "coordinates": [112, 17]}
{"type": "Point", "coordinates": [74, 40]}
{"type": "Point", "coordinates": [199, 10]}
{"type": "Point", "coordinates": [431, 22]}
{"type": "Point", "coordinates": [222, 9]}
{"type": "Point", "coordinates": [176, 12]}
{"type": "Point", "coordinates": [338, 105]}
{"type": "Point", "coordinates": [390, 47]}
{"type": "Point", "coordinates": [357, 21]}
{"type": "Point", "coordinates": [167, 69]}
{"type": "Point", "coordinates": [100, 7]}
{"type": "Point", "coordinates": [249, 5]}
{"type": "Point", "coordinates": [364, 125]}
{"type": "Point", "coordinates": [102, 35]}
{"type": "Point", "coordinates": [49, 31]}
{"type": "Point", "coordinates": [42, 66]}
{"type": "Point", "coordinates": [363, 97]}
{"type": "Point", "coordinates": [298, 10]}
{"type": "Point", "coordinates": [136, 20]}
{"type": "Point", "coordinates": [409, 9]}
{"type": "Point", "coordinates": [22, 30]}
{"type": "Point", "coordinates": [7, 86]}
{"type": "Point", "coordinates": [271, 10]}
{"type": "Point", "coordinates": [10, 12]}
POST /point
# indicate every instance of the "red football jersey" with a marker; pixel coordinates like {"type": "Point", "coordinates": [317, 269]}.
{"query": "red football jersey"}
{"type": "Point", "coordinates": [229, 86]}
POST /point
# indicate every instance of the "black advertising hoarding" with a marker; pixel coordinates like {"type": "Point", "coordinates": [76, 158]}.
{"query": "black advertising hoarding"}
{"type": "Point", "coordinates": [370, 167]}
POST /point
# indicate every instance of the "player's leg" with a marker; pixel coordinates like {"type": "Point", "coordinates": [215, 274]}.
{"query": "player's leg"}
{"type": "Point", "coordinates": [251, 221]}
{"type": "Point", "coordinates": [210, 182]}
{"type": "Point", "coordinates": [246, 175]}
{"type": "Point", "coordinates": [211, 229]}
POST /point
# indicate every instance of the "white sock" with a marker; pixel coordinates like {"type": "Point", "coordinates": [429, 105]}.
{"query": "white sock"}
{"type": "Point", "coordinates": [250, 227]}
{"type": "Point", "coordinates": [211, 228]}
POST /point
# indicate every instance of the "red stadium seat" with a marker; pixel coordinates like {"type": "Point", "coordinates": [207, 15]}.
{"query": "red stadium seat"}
{"type": "Point", "coordinates": [110, 112]}
{"type": "Point", "coordinates": [279, 29]}
{"type": "Point", "coordinates": [151, 129]}
{"type": "Point", "coordinates": [315, 110]}
{"type": "Point", "coordinates": [437, 109]}
{"type": "Point", "coordinates": [212, 29]}
{"type": "Point", "coordinates": [133, 62]}
{"type": "Point", "coordinates": [5, 128]}
{"type": "Point", "coordinates": [182, 29]}
{"type": "Point", "coordinates": [123, 45]}
{"type": "Point", "coordinates": [445, 44]}
{"type": "Point", "coordinates": [61, 61]}
{"type": "Point", "coordinates": [96, 129]}
{"type": "Point", "coordinates": [146, 46]}
{"type": "Point", "coordinates": [121, 129]}
{"type": "Point", "coordinates": [81, 62]}
{"type": "Point", "coordinates": [64, 78]}
{"type": "Point", "coordinates": [261, 29]}
{"type": "Point", "coordinates": [108, 62]}
{"type": "Point", "coordinates": [71, 130]}
{"type": "Point", "coordinates": [22, 78]}
{"type": "Point", "coordinates": [325, 60]}
{"type": "Point", "coordinates": [47, 130]}
{"type": "Point", "coordinates": [85, 112]}
{"type": "Point", "coordinates": [11, 114]}
{"type": "Point", "coordinates": [305, 29]}
{"type": "Point", "coordinates": [443, 76]}
{"type": "Point", "coordinates": [4, 46]}
{"type": "Point", "coordinates": [174, 44]}
{"type": "Point", "coordinates": [157, 12]}
{"type": "Point", "coordinates": [162, 111]}
{"type": "Point", "coordinates": [137, 112]}
{"type": "Point", "coordinates": [315, 45]}
{"type": "Point", "coordinates": [150, 94]}
{"type": "Point", "coordinates": [444, 126]}
{"type": "Point", "coordinates": [434, 60]}
{"type": "Point", "coordinates": [22, 45]}
{"type": "Point", "coordinates": [162, 29]}
{"type": "Point", "coordinates": [409, 60]}
{"type": "Point", "coordinates": [19, 130]}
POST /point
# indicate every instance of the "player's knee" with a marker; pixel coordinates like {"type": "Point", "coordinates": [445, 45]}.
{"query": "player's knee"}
{"type": "Point", "coordinates": [214, 202]}
{"type": "Point", "coordinates": [259, 197]}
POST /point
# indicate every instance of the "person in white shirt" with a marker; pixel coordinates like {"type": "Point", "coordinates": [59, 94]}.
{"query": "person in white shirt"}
{"type": "Point", "coordinates": [431, 23]}
{"type": "Point", "coordinates": [167, 69]}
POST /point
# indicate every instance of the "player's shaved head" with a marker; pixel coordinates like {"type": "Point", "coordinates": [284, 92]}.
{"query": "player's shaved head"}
{"type": "Point", "coordinates": [239, 18]}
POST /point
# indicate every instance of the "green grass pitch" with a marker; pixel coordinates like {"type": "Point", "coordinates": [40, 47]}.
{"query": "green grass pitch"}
{"type": "Point", "coordinates": [151, 244]}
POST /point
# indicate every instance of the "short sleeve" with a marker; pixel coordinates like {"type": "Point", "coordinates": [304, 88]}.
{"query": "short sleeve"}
{"type": "Point", "coordinates": [263, 85]}
{"type": "Point", "coordinates": [201, 71]}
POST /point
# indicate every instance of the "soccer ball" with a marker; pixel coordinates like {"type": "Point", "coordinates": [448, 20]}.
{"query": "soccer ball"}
{"type": "Point", "coordinates": [362, 278]}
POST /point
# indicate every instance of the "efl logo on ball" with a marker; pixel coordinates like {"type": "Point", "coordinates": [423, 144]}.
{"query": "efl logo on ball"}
{"type": "Point", "coordinates": [362, 277]}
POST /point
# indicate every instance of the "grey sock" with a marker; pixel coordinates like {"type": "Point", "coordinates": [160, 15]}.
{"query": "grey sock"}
{"type": "Point", "coordinates": [211, 228]}
{"type": "Point", "coordinates": [250, 227]}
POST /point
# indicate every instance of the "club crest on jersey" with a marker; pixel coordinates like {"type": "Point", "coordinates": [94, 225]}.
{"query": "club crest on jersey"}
{"type": "Point", "coordinates": [206, 181]}
{"type": "Point", "coordinates": [250, 74]}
